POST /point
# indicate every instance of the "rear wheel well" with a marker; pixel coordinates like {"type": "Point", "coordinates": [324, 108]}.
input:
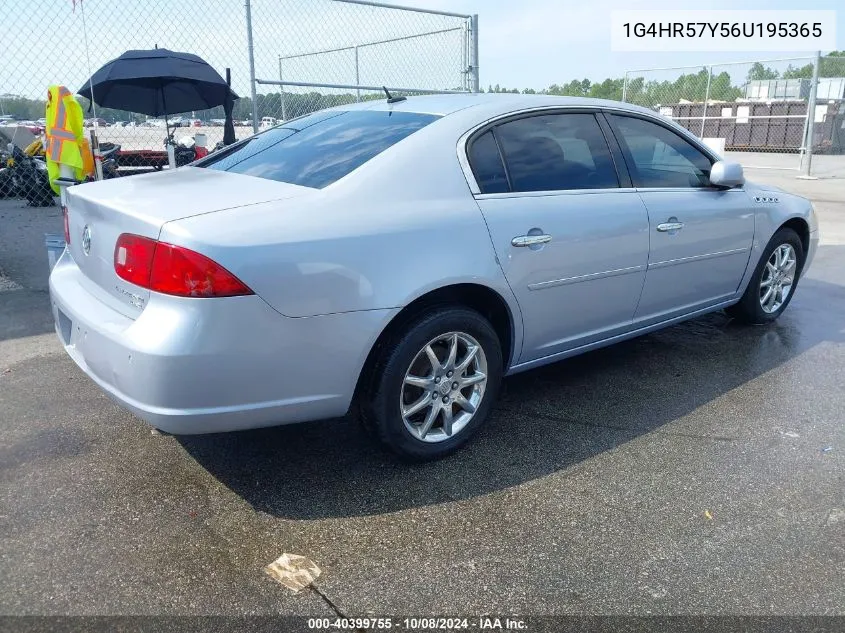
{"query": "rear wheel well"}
{"type": "Point", "coordinates": [482, 299]}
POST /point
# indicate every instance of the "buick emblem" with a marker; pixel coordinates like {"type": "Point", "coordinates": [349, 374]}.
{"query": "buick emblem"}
{"type": "Point", "coordinates": [86, 240]}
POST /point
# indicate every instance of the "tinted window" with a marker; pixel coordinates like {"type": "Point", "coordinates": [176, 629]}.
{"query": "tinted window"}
{"type": "Point", "coordinates": [557, 151]}
{"type": "Point", "coordinates": [487, 165]}
{"type": "Point", "coordinates": [660, 157]}
{"type": "Point", "coordinates": [317, 150]}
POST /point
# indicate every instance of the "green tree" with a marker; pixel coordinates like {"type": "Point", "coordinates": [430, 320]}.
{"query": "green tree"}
{"type": "Point", "coordinates": [608, 89]}
{"type": "Point", "coordinates": [721, 88]}
{"type": "Point", "coordinates": [802, 72]}
{"type": "Point", "coordinates": [831, 65]}
{"type": "Point", "coordinates": [758, 72]}
{"type": "Point", "coordinates": [634, 90]}
{"type": "Point", "coordinates": [574, 88]}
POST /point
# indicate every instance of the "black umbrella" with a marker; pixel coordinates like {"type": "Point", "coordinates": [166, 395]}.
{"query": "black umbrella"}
{"type": "Point", "coordinates": [157, 82]}
{"type": "Point", "coordinates": [228, 106]}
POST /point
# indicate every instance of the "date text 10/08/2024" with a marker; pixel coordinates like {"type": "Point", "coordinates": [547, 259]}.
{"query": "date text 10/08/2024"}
{"type": "Point", "coordinates": [419, 624]}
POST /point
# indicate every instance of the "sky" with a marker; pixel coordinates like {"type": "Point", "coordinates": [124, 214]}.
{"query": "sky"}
{"type": "Point", "coordinates": [534, 43]}
{"type": "Point", "coordinates": [523, 43]}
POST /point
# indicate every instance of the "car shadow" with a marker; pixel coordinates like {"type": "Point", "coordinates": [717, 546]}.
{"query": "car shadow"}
{"type": "Point", "coordinates": [547, 420]}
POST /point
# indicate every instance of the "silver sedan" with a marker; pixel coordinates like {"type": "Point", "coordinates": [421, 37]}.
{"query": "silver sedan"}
{"type": "Point", "coordinates": [399, 258]}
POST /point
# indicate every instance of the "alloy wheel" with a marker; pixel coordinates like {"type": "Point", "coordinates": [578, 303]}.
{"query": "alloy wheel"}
{"type": "Point", "coordinates": [778, 278]}
{"type": "Point", "coordinates": [443, 387]}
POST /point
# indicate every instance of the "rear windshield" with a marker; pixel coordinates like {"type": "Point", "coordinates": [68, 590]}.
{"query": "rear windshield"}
{"type": "Point", "coordinates": [318, 149]}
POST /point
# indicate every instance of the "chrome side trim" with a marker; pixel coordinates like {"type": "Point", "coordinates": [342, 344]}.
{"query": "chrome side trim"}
{"type": "Point", "coordinates": [688, 189]}
{"type": "Point", "coordinates": [695, 258]}
{"type": "Point", "coordinates": [574, 280]}
{"type": "Point", "coordinates": [546, 194]}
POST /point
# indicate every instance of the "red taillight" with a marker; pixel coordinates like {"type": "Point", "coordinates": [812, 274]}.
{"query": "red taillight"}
{"type": "Point", "coordinates": [179, 271]}
{"type": "Point", "coordinates": [66, 221]}
{"type": "Point", "coordinates": [133, 258]}
{"type": "Point", "coordinates": [173, 270]}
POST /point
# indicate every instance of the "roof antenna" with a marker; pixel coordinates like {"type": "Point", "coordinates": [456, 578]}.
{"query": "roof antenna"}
{"type": "Point", "coordinates": [390, 97]}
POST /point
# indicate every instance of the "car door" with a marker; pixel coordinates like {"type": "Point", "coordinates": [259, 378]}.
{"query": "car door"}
{"type": "Point", "coordinates": [572, 243]}
{"type": "Point", "coordinates": [700, 236]}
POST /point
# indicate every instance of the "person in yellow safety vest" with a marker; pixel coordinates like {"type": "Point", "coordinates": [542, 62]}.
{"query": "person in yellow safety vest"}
{"type": "Point", "coordinates": [65, 140]}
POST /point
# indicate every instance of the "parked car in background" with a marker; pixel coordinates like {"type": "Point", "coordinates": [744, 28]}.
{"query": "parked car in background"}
{"type": "Point", "coordinates": [180, 121]}
{"type": "Point", "coordinates": [268, 121]}
{"type": "Point", "coordinates": [33, 126]}
{"type": "Point", "coordinates": [398, 259]}
{"type": "Point", "coordinates": [100, 122]}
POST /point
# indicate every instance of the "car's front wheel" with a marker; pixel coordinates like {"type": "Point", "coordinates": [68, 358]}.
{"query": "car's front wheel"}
{"type": "Point", "coordinates": [774, 281]}
{"type": "Point", "coordinates": [433, 383]}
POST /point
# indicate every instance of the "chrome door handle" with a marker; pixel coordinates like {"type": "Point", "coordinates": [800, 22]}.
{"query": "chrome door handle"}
{"type": "Point", "coordinates": [670, 226]}
{"type": "Point", "coordinates": [531, 240]}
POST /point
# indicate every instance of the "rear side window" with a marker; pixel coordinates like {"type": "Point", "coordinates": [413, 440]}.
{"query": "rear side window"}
{"type": "Point", "coordinates": [554, 152]}
{"type": "Point", "coordinates": [487, 165]}
{"type": "Point", "coordinates": [660, 158]}
{"type": "Point", "coordinates": [317, 150]}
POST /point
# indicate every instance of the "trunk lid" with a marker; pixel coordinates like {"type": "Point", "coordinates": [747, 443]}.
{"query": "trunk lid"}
{"type": "Point", "coordinates": [99, 212]}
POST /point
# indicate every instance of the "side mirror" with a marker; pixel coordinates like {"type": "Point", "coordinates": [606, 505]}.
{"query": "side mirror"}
{"type": "Point", "coordinates": [727, 175]}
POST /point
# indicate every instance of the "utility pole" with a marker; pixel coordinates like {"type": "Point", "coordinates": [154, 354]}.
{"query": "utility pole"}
{"type": "Point", "coordinates": [282, 91]}
{"type": "Point", "coordinates": [811, 118]}
{"type": "Point", "coordinates": [251, 65]}
{"type": "Point", "coordinates": [476, 82]}
{"type": "Point", "coordinates": [357, 76]}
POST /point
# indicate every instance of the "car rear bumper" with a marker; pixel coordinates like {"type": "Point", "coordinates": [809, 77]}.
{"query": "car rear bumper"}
{"type": "Point", "coordinates": [209, 365]}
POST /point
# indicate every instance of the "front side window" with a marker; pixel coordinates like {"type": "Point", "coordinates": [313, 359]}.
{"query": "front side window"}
{"type": "Point", "coordinates": [554, 152]}
{"type": "Point", "coordinates": [316, 150]}
{"type": "Point", "coordinates": [657, 157]}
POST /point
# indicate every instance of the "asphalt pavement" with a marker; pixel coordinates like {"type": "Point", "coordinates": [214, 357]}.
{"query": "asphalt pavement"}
{"type": "Point", "coordinates": [697, 470]}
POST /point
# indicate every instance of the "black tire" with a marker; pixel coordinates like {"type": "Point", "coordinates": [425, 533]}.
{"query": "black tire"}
{"type": "Point", "coordinates": [749, 309]}
{"type": "Point", "coordinates": [379, 406]}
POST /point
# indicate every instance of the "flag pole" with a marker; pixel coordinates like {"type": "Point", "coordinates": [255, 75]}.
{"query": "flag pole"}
{"type": "Point", "coordinates": [87, 57]}
{"type": "Point", "coordinates": [95, 143]}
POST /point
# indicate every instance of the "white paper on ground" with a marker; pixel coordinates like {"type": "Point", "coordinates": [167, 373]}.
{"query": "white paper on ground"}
{"type": "Point", "coordinates": [293, 571]}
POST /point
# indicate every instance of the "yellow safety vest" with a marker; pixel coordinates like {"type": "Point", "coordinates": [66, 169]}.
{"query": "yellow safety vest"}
{"type": "Point", "coordinates": [65, 139]}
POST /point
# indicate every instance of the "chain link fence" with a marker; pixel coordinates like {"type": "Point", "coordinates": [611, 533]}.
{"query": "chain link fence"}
{"type": "Point", "coordinates": [760, 113]}
{"type": "Point", "coordinates": [354, 45]}
{"type": "Point", "coordinates": [328, 48]}
{"type": "Point", "coordinates": [828, 128]}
